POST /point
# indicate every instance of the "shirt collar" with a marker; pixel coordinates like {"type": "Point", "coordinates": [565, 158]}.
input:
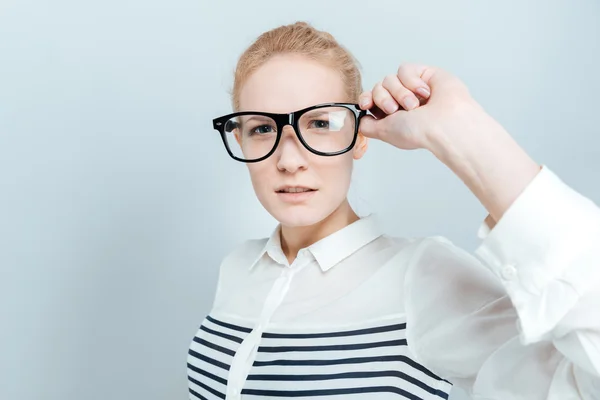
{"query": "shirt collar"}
{"type": "Point", "coordinates": [332, 249]}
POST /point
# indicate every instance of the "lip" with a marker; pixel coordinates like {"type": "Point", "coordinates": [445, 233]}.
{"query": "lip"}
{"type": "Point", "coordinates": [283, 187]}
{"type": "Point", "coordinates": [295, 198]}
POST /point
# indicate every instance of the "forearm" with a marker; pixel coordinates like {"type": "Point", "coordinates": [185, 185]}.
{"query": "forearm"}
{"type": "Point", "coordinates": [486, 158]}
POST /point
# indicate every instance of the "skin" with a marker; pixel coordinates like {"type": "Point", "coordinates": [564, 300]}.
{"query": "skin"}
{"type": "Point", "coordinates": [417, 107]}
{"type": "Point", "coordinates": [284, 84]}
{"type": "Point", "coordinates": [442, 117]}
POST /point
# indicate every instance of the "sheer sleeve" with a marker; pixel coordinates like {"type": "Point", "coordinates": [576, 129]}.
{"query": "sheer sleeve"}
{"type": "Point", "coordinates": [520, 318]}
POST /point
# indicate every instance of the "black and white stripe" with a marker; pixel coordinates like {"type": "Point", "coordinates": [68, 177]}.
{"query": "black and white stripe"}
{"type": "Point", "coordinates": [366, 362]}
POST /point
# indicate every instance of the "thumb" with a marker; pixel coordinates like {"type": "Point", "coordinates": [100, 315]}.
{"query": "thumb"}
{"type": "Point", "coordinates": [402, 129]}
{"type": "Point", "coordinates": [371, 127]}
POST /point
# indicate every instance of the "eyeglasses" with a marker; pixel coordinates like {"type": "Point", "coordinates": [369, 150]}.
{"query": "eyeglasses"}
{"type": "Point", "coordinates": [325, 129]}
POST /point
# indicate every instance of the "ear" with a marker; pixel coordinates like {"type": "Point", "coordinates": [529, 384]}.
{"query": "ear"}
{"type": "Point", "coordinates": [238, 139]}
{"type": "Point", "coordinates": [360, 148]}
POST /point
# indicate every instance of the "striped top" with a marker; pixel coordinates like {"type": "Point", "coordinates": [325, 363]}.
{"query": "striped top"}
{"type": "Point", "coordinates": [363, 315]}
{"type": "Point", "coordinates": [371, 360]}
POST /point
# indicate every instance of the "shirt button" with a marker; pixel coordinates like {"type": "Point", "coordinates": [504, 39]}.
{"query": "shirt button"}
{"type": "Point", "coordinates": [509, 272]}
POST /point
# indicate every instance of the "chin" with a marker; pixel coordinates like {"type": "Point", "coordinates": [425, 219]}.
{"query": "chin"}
{"type": "Point", "coordinates": [303, 214]}
{"type": "Point", "coordinates": [297, 216]}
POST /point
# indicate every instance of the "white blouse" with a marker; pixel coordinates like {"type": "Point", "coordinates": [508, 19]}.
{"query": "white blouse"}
{"type": "Point", "coordinates": [362, 315]}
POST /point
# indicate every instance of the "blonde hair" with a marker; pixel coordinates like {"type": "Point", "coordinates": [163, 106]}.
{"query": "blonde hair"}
{"type": "Point", "coordinates": [302, 39]}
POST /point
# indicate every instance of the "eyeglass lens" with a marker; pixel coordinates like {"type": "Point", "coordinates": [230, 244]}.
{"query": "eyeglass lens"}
{"type": "Point", "coordinates": [327, 130]}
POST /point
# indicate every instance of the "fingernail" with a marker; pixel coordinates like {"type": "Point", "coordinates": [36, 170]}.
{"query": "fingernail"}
{"type": "Point", "coordinates": [410, 102]}
{"type": "Point", "coordinates": [424, 92]}
{"type": "Point", "coordinates": [390, 106]}
{"type": "Point", "coordinates": [363, 102]}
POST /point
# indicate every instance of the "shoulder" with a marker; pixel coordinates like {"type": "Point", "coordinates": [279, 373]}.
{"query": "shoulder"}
{"type": "Point", "coordinates": [453, 297]}
{"type": "Point", "coordinates": [449, 274]}
{"type": "Point", "coordinates": [437, 253]}
{"type": "Point", "coordinates": [412, 248]}
{"type": "Point", "coordinates": [234, 270]}
{"type": "Point", "coordinates": [244, 253]}
{"type": "Point", "coordinates": [441, 249]}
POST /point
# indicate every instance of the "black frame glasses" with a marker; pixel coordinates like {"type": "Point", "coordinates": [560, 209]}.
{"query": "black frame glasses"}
{"type": "Point", "coordinates": [289, 119]}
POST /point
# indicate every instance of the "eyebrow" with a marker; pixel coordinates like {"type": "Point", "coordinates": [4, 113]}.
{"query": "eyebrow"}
{"type": "Point", "coordinates": [316, 113]}
{"type": "Point", "coordinates": [261, 118]}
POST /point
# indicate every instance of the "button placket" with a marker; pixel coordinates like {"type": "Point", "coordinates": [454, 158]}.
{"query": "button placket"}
{"type": "Point", "coordinates": [302, 260]}
{"type": "Point", "coordinates": [244, 357]}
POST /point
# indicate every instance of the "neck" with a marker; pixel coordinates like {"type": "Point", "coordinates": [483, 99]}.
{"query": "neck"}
{"type": "Point", "coordinates": [295, 238]}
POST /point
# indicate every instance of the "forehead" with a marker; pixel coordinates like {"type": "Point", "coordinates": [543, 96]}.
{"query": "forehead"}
{"type": "Point", "coordinates": [288, 83]}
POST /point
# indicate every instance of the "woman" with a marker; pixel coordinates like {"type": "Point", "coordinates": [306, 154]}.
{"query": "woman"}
{"type": "Point", "coordinates": [330, 306]}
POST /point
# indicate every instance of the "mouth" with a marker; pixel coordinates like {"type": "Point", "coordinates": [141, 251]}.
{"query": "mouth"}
{"type": "Point", "coordinates": [295, 194]}
{"type": "Point", "coordinates": [295, 189]}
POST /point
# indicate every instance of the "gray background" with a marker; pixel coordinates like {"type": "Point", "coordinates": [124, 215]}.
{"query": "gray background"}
{"type": "Point", "coordinates": [118, 201]}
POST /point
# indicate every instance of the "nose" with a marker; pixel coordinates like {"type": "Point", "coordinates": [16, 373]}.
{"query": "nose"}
{"type": "Point", "coordinates": [291, 154]}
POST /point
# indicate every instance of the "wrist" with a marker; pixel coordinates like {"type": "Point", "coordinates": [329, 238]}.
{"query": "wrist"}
{"type": "Point", "coordinates": [484, 156]}
{"type": "Point", "coordinates": [469, 131]}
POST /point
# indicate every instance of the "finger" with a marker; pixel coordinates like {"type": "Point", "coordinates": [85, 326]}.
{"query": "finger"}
{"type": "Point", "coordinates": [402, 95]}
{"type": "Point", "coordinates": [438, 78]}
{"type": "Point", "coordinates": [365, 100]}
{"type": "Point", "coordinates": [370, 127]}
{"type": "Point", "coordinates": [411, 77]}
{"type": "Point", "coordinates": [402, 129]}
{"type": "Point", "coordinates": [384, 100]}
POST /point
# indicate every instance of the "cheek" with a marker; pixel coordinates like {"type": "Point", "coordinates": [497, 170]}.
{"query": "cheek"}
{"type": "Point", "coordinates": [261, 178]}
{"type": "Point", "coordinates": [337, 173]}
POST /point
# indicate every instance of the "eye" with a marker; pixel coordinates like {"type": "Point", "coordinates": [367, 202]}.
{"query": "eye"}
{"type": "Point", "coordinates": [262, 129]}
{"type": "Point", "coordinates": [319, 124]}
